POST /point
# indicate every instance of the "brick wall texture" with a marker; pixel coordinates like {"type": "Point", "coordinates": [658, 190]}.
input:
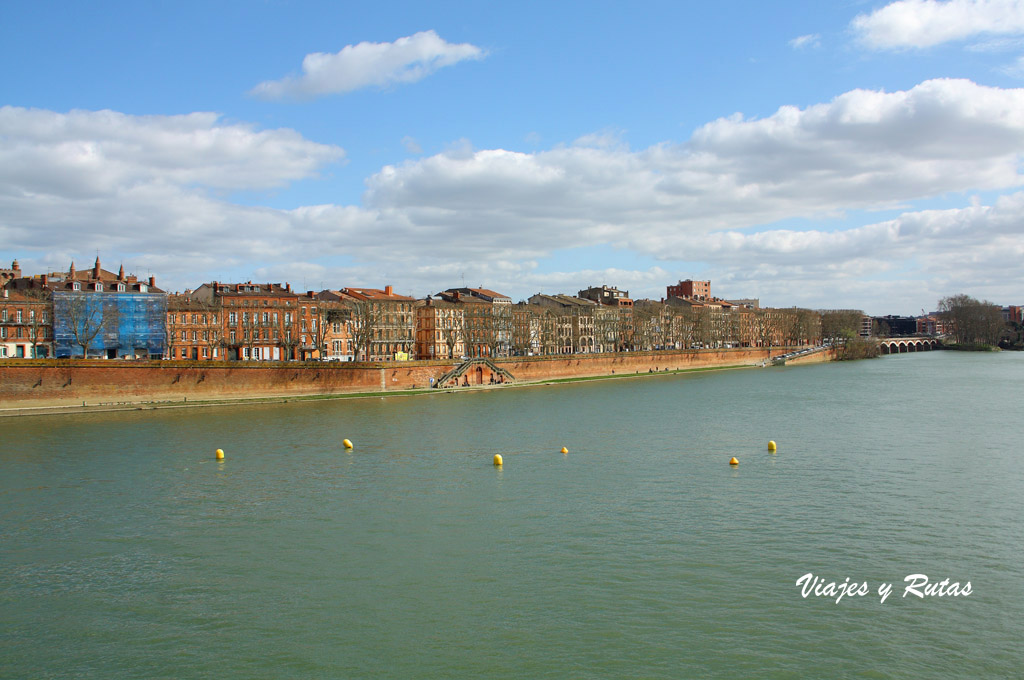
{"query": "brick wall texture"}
{"type": "Point", "coordinates": [38, 383]}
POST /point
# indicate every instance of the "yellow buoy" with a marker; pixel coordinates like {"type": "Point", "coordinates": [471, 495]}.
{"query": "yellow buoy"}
{"type": "Point", "coordinates": [565, 450]}
{"type": "Point", "coordinates": [733, 461]}
{"type": "Point", "coordinates": [220, 454]}
{"type": "Point", "coordinates": [497, 459]}
{"type": "Point", "coordinates": [347, 443]}
{"type": "Point", "coordinates": [771, 446]}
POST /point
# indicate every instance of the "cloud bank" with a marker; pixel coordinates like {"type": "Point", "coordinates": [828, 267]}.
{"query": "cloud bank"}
{"type": "Point", "coordinates": [157, 189]}
{"type": "Point", "coordinates": [367, 64]}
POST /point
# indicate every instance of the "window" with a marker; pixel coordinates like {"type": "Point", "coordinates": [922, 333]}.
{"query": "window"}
{"type": "Point", "coordinates": [76, 286]}
{"type": "Point", "coordinates": [31, 316]}
{"type": "Point", "coordinates": [232, 336]}
{"type": "Point", "coordinates": [206, 335]}
{"type": "Point", "coordinates": [245, 318]}
{"type": "Point", "coordinates": [17, 316]}
{"type": "Point", "coordinates": [184, 336]}
{"type": "Point", "coordinates": [213, 320]}
{"type": "Point", "coordinates": [3, 334]}
{"type": "Point", "coordinates": [171, 318]}
{"type": "Point", "coordinates": [97, 287]}
{"type": "Point", "coordinates": [194, 336]}
{"type": "Point", "coordinates": [120, 288]}
{"type": "Point", "coordinates": [3, 315]}
{"type": "Point", "coordinates": [233, 318]}
{"type": "Point", "coordinates": [206, 352]}
{"type": "Point", "coordinates": [142, 288]}
{"type": "Point", "coordinates": [266, 317]}
{"type": "Point", "coordinates": [195, 318]}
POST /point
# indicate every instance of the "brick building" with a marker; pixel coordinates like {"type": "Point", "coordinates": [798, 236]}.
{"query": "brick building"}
{"type": "Point", "coordinates": [194, 329]}
{"type": "Point", "coordinates": [261, 321]}
{"type": "Point", "coordinates": [700, 290]}
{"type": "Point", "coordinates": [374, 324]}
{"type": "Point", "coordinates": [26, 330]}
{"type": "Point", "coordinates": [100, 314]}
{"type": "Point", "coordinates": [440, 329]}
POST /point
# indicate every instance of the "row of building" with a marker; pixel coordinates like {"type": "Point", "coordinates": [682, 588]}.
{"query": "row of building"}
{"type": "Point", "coordinates": [98, 313]}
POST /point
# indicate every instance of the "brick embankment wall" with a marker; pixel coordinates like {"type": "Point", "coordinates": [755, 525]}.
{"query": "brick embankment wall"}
{"type": "Point", "coordinates": [56, 382]}
{"type": "Point", "coordinates": [68, 383]}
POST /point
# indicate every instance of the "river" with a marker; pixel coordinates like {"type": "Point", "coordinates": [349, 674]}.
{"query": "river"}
{"type": "Point", "coordinates": [128, 551]}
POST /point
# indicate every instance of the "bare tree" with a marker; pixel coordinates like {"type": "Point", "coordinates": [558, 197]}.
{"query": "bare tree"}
{"type": "Point", "coordinates": [840, 325]}
{"type": "Point", "coordinates": [450, 324]}
{"type": "Point", "coordinates": [365, 318]}
{"type": "Point", "coordinates": [85, 317]}
{"type": "Point", "coordinates": [971, 321]}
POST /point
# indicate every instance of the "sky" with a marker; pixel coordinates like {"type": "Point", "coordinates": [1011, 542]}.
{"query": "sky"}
{"type": "Point", "coordinates": [861, 155]}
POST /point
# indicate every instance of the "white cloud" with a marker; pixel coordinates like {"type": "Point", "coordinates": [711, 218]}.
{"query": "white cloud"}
{"type": "Point", "coordinates": [805, 41]}
{"type": "Point", "coordinates": [367, 64]}
{"type": "Point", "coordinates": [142, 187]}
{"type": "Point", "coordinates": [926, 23]}
{"type": "Point", "coordinates": [93, 153]}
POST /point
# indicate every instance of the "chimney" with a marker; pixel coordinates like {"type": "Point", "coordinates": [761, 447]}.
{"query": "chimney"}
{"type": "Point", "coordinates": [152, 282]}
{"type": "Point", "coordinates": [96, 268]}
{"type": "Point", "coordinates": [389, 290]}
{"type": "Point", "coordinates": [288, 287]}
{"type": "Point", "coordinates": [46, 280]}
{"type": "Point", "coordinates": [120, 274]}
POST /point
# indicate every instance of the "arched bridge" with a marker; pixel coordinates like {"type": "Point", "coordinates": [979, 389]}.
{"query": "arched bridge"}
{"type": "Point", "coordinates": [910, 344]}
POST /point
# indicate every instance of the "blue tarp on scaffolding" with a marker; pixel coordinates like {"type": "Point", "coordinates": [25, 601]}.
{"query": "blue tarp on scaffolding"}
{"type": "Point", "coordinates": [111, 324]}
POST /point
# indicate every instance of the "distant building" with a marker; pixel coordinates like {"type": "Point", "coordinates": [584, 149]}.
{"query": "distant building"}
{"type": "Point", "coordinates": [194, 329]}
{"type": "Point", "coordinates": [25, 327]}
{"type": "Point", "coordinates": [262, 321]}
{"type": "Point", "coordinates": [895, 326]}
{"type": "Point", "coordinates": [440, 329]}
{"type": "Point", "coordinates": [381, 324]}
{"type": "Point", "coordinates": [700, 290]}
{"type": "Point", "coordinates": [746, 303]}
{"type": "Point", "coordinates": [97, 313]}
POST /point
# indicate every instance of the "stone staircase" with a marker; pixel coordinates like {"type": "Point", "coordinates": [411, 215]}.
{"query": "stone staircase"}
{"type": "Point", "coordinates": [456, 373]}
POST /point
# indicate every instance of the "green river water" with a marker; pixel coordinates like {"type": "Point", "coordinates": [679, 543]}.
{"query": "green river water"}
{"type": "Point", "coordinates": [127, 551]}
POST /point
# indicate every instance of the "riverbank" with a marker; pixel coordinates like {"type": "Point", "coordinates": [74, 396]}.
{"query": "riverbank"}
{"type": "Point", "coordinates": [38, 388]}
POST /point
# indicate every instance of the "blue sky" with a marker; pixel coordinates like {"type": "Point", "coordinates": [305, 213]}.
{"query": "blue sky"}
{"type": "Point", "coordinates": [860, 154]}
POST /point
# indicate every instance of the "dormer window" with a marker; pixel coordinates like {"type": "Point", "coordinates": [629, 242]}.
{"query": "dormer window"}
{"type": "Point", "coordinates": [76, 286]}
{"type": "Point", "coordinates": [142, 288]}
{"type": "Point", "coordinates": [97, 287]}
{"type": "Point", "coordinates": [120, 288]}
